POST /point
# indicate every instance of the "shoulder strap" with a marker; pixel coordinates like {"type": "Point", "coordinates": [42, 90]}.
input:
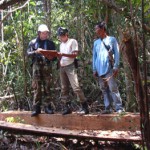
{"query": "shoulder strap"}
{"type": "Point", "coordinates": [106, 46]}
{"type": "Point", "coordinates": [45, 44]}
{"type": "Point", "coordinates": [37, 43]}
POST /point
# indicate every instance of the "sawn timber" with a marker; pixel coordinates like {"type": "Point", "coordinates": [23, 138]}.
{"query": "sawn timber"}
{"type": "Point", "coordinates": [112, 127]}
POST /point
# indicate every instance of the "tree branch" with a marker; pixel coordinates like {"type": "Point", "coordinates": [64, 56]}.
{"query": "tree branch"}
{"type": "Point", "coordinates": [146, 28]}
{"type": "Point", "coordinates": [5, 5]}
{"type": "Point", "coordinates": [9, 13]}
{"type": "Point", "coordinates": [111, 4]}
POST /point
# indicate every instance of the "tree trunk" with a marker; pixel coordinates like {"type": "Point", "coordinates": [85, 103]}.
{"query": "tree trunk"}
{"type": "Point", "coordinates": [140, 93]}
{"type": "Point", "coordinates": [47, 11]}
{"type": "Point", "coordinates": [131, 104]}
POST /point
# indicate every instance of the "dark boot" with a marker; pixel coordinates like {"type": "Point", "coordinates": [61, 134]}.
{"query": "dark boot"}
{"type": "Point", "coordinates": [49, 110]}
{"type": "Point", "coordinates": [67, 109]}
{"type": "Point", "coordinates": [36, 111]}
{"type": "Point", "coordinates": [84, 109]}
{"type": "Point", "coordinates": [107, 111]}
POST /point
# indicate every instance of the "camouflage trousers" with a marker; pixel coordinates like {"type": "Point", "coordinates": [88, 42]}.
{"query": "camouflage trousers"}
{"type": "Point", "coordinates": [41, 84]}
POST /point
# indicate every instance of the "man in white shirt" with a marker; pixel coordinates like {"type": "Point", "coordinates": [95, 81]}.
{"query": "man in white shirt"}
{"type": "Point", "coordinates": [68, 74]}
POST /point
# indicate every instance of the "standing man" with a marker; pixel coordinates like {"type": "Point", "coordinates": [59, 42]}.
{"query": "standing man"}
{"type": "Point", "coordinates": [68, 74]}
{"type": "Point", "coordinates": [104, 50]}
{"type": "Point", "coordinates": [41, 68]}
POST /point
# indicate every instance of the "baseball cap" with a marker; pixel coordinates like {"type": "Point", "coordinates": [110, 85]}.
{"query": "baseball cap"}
{"type": "Point", "coordinates": [43, 28]}
{"type": "Point", "coordinates": [102, 24]}
{"type": "Point", "coordinates": [62, 31]}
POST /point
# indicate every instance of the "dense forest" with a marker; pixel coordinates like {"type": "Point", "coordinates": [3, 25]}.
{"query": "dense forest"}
{"type": "Point", "coordinates": [127, 20]}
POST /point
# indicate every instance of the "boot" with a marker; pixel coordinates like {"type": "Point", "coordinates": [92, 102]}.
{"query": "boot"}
{"type": "Point", "coordinates": [36, 111]}
{"type": "Point", "coordinates": [48, 109]}
{"type": "Point", "coordinates": [67, 109]}
{"type": "Point", "coordinates": [107, 111]}
{"type": "Point", "coordinates": [84, 109]}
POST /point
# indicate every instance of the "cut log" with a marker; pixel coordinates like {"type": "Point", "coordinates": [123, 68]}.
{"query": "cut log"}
{"type": "Point", "coordinates": [127, 122]}
{"type": "Point", "coordinates": [99, 127]}
{"type": "Point", "coordinates": [109, 135]}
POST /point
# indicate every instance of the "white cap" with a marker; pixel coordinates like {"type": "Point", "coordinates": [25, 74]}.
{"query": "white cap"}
{"type": "Point", "coordinates": [43, 28]}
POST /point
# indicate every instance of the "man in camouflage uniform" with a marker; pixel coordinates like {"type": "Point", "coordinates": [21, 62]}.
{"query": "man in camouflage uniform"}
{"type": "Point", "coordinates": [41, 67]}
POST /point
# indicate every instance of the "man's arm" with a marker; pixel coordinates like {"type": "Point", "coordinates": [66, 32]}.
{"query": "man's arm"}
{"type": "Point", "coordinates": [116, 57]}
{"type": "Point", "coordinates": [32, 48]}
{"type": "Point", "coordinates": [30, 51]}
{"type": "Point", "coordinates": [73, 55]}
{"type": "Point", "coordinates": [116, 54]}
{"type": "Point", "coordinates": [93, 61]}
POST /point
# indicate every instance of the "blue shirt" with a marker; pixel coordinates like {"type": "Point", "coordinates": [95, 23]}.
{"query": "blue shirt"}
{"type": "Point", "coordinates": [101, 62]}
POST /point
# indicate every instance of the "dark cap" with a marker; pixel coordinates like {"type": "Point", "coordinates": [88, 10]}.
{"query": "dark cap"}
{"type": "Point", "coordinates": [102, 24]}
{"type": "Point", "coordinates": [62, 31]}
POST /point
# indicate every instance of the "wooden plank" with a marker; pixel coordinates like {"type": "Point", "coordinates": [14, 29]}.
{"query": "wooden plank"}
{"type": "Point", "coordinates": [127, 122]}
{"type": "Point", "coordinates": [20, 128]}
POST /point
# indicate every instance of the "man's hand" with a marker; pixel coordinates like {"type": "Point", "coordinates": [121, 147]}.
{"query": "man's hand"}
{"type": "Point", "coordinates": [38, 51]}
{"type": "Point", "coordinates": [115, 72]}
{"type": "Point", "coordinates": [59, 55]}
{"type": "Point", "coordinates": [95, 74]}
{"type": "Point", "coordinates": [72, 55]}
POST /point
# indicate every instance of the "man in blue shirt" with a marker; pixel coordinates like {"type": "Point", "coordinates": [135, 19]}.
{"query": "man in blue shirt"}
{"type": "Point", "coordinates": [103, 67]}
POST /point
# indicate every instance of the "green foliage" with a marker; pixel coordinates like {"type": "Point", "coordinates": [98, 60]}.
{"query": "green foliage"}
{"type": "Point", "coordinates": [4, 105]}
{"type": "Point", "coordinates": [116, 118]}
{"type": "Point", "coordinates": [38, 145]}
{"type": "Point", "coordinates": [5, 54]}
{"type": "Point", "coordinates": [14, 120]}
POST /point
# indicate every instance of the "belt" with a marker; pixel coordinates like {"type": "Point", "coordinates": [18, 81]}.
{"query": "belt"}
{"type": "Point", "coordinates": [67, 65]}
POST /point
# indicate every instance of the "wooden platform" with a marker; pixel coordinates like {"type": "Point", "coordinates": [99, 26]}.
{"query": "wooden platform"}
{"type": "Point", "coordinates": [102, 127]}
{"type": "Point", "coordinates": [128, 122]}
